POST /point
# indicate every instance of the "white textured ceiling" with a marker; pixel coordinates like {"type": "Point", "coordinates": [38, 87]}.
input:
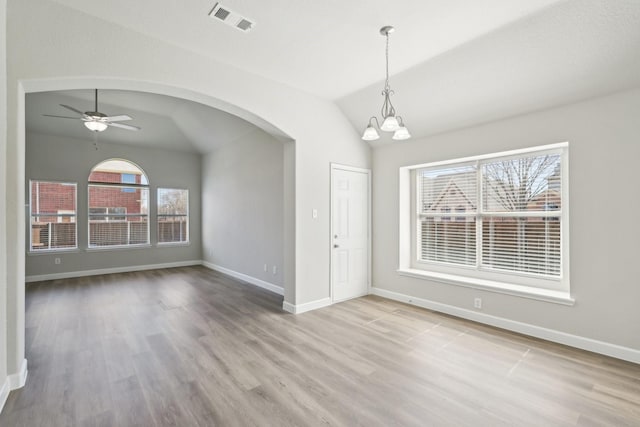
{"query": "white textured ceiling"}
{"type": "Point", "coordinates": [453, 63]}
{"type": "Point", "coordinates": [326, 47]}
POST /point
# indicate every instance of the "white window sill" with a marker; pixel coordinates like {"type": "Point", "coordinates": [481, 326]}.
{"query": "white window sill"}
{"type": "Point", "coordinates": [117, 248]}
{"type": "Point", "coordinates": [53, 252]}
{"type": "Point", "coordinates": [173, 244]}
{"type": "Point", "coordinates": [548, 295]}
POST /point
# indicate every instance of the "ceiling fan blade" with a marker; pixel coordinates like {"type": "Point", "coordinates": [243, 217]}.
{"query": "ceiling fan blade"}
{"type": "Point", "coordinates": [72, 109]}
{"type": "Point", "coordinates": [123, 126]}
{"type": "Point", "coordinates": [120, 118]}
{"type": "Point", "coordinates": [62, 117]}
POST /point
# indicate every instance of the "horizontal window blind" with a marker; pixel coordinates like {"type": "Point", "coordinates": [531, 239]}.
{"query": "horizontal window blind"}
{"type": "Point", "coordinates": [526, 193]}
{"type": "Point", "coordinates": [450, 242]}
{"type": "Point", "coordinates": [501, 214]}
{"type": "Point", "coordinates": [447, 207]}
{"type": "Point", "coordinates": [173, 215]}
{"type": "Point", "coordinates": [53, 215]}
{"type": "Point", "coordinates": [522, 244]}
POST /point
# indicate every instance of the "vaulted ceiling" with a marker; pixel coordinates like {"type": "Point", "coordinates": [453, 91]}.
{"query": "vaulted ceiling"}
{"type": "Point", "coordinates": [452, 64]}
{"type": "Point", "coordinates": [165, 122]}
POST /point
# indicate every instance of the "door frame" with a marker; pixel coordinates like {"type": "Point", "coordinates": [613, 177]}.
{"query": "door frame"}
{"type": "Point", "coordinates": [338, 166]}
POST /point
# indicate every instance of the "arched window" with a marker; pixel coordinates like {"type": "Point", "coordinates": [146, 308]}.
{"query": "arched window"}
{"type": "Point", "coordinates": [118, 205]}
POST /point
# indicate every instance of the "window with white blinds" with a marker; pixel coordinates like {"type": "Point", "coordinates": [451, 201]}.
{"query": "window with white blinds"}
{"type": "Point", "coordinates": [447, 214]}
{"type": "Point", "coordinates": [52, 207]}
{"type": "Point", "coordinates": [118, 207]}
{"type": "Point", "coordinates": [521, 211]}
{"type": "Point", "coordinates": [173, 215]}
{"type": "Point", "coordinates": [497, 214]}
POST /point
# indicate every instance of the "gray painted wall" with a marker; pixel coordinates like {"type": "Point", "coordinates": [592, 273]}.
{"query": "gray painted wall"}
{"type": "Point", "coordinates": [243, 207]}
{"type": "Point", "coordinates": [604, 201]}
{"type": "Point", "coordinates": [62, 159]}
{"type": "Point", "coordinates": [3, 176]}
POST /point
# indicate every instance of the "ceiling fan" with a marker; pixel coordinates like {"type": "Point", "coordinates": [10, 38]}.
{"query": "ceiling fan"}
{"type": "Point", "coordinates": [97, 121]}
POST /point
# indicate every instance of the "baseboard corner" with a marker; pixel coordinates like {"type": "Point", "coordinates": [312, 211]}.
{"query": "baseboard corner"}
{"type": "Point", "coordinates": [19, 379]}
{"type": "Point", "coordinates": [307, 306]}
{"type": "Point", "coordinates": [245, 278]}
{"type": "Point", "coordinates": [288, 307]}
{"type": "Point", "coordinates": [4, 393]}
{"type": "Point", "coordinates": [13, 382]}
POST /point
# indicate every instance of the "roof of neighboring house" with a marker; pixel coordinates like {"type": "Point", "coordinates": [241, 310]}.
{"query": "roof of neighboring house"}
{"type": "Point", "coordinates": [452, 187]}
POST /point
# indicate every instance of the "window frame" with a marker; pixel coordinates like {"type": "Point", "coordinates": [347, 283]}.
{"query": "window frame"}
{"type": "Point", "coordinates": [144, 185]}
{"type": "Point", "coordinates": [58, 215]}
{"type": "Point", "coordinates": [554, 289]}
{"type": "Point", "coordinates": [158, 215]}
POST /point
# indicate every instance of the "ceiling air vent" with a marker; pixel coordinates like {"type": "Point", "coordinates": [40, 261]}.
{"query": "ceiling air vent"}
{"type": "Point", "coordinates": [244, 25]}
{"type": "Point", "coordinates": [222, 13]}
{"type": "Point", "coordinates": [231, 18]}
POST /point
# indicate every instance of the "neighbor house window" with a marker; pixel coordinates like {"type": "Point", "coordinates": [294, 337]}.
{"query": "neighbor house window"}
{"type": "Point", "coordinates": [52, 207]}
{"type": "Point", "coordinates": [173, 215]}
{"type": "Point", "coordinates": [510, 225]}
{"type": "Point", "coordinates": [128, 178]}
{"type": "Point", "coordinates": [118, 205]}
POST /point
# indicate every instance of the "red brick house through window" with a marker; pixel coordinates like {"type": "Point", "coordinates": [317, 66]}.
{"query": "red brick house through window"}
{"type": "Point", "coordinates": [118, 204]}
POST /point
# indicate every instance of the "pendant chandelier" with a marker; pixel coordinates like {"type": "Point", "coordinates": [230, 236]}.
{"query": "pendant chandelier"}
{"type": "Point", "coordinates": [390, 121]}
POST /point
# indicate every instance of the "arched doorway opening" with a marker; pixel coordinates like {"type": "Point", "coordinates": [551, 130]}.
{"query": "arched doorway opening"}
{"type": "Point", "coordinates": [16, 263]}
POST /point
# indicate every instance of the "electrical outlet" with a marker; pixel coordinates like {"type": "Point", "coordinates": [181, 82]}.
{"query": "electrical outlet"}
{"type": "Point", "coordinates": [477, 303]}
{"type": "Point", "coordinates": [275, 270]}
{"type": "Point", "coordinates": [57, 261]}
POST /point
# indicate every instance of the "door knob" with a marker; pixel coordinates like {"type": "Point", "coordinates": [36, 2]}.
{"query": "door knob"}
{"type": "Point", "coordinates": [336, 246]}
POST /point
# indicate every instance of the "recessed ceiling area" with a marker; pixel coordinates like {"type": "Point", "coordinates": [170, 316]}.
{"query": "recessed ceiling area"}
{"type": "Point", "coordinates": [167, 122]}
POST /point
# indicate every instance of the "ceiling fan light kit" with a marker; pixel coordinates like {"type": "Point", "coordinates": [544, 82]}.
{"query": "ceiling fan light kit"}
{"type": "Point", "coordinates": [390, 121]}
{"type": "Point", "coordinates": [96, 121]}
{"type": "Point", "coordinates": [96, 125]}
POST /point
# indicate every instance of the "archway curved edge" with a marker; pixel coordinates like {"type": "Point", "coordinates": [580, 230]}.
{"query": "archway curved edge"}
{"type": "Point", "coordinates": [81, 82]}
{"type": "Point", "coordinates": [15, 357]}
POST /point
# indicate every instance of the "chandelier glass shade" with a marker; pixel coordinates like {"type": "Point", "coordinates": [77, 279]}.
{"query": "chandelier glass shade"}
{"type": "Point", "coordinates": [370, 133]}
{"type": "Point", "coordinates": [401, 133]}
{"type": "Point", "coordinates": [390, 121]}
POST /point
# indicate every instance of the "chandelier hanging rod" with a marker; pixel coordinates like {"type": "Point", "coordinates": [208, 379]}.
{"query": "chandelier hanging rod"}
{"type": "Point", "coordinates": [390, 121]}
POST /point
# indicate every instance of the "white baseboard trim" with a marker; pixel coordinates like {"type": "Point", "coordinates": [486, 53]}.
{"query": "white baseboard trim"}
{"type": "Point", "coordinates": [19, 379]}
{"type": "Point", "coordinates": [83, 273]}
{"type": "Point", "coordinates": [246, 278]}
{"type": "Point", "coordinates": [601, 347]}
{"type": "Point", "coordinates": [307, 306]}
{"type": "Point", "coordinates": [13, 382]}
{"type": "Point", "coordinates": [4, 394]}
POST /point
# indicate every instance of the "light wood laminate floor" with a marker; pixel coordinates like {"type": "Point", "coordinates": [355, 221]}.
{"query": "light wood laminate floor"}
{"type": "Point", "coordinates": [192, 347]}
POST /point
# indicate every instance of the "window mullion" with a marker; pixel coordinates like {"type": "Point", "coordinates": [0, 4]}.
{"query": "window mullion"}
{"type": "Point", "coordinates": [479, 210]}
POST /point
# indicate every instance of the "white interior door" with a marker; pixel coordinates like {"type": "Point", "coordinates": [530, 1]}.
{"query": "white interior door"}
{"type": "Point", "coordinates": [349, 232]}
